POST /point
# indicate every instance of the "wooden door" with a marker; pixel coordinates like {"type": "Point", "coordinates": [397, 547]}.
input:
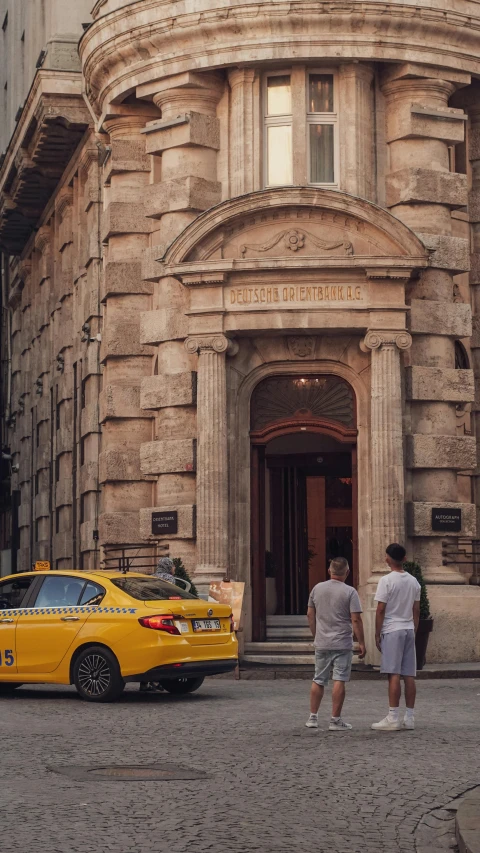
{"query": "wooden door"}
{"type": "Point", "coordinates": [257, 515]}
{"type": "Point", "coordinates": [316, 523]}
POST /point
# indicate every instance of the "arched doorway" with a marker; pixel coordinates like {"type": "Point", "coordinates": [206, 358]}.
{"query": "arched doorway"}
{"type": "Point", "coordinates": [303, 489]}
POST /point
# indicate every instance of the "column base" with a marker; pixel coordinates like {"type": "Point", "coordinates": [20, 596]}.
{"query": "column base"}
{"type": "Point", "coordinates": [445, 575]}
{"type": "Point", "coordinates": [205, 575]}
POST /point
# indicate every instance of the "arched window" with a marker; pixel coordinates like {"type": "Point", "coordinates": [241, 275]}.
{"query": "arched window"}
{"type": "Point", "coordinates": [462, 361]}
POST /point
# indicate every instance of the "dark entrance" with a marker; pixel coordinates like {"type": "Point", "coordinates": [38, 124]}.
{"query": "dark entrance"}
{"type": "Point", "coordinates": [303, 490]}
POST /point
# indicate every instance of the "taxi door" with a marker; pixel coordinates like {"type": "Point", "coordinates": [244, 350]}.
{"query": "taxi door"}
{"type": "Point", "coordinates": [48, 627]}
{"type": "Point", "coordinates": [12, 594]}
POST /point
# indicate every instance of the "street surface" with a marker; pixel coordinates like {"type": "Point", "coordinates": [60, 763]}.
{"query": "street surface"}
{"type": "Point", "coordinates": [270, 784]}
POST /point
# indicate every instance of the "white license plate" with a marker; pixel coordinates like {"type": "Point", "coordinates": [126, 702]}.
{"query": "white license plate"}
{"type": "Point", "coordinates": [182, 627]}
{"type": "Point", "coordinates": [206, 624]}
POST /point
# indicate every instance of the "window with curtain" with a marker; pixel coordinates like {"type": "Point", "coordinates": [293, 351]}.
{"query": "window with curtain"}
{"type": "Point", "coordinates": [304, 103]}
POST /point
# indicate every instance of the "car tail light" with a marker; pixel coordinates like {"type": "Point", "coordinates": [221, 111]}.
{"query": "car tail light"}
{"type": "Point", "coordinates": [232, 623]}
{"type": "Point", "coordinates": [159, 623]}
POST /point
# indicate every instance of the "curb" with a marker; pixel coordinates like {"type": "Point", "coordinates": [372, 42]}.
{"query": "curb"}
{"type": "Point", "coordinates": [271, 673]}
{"type": "Point", "coordinates": [467, 823]}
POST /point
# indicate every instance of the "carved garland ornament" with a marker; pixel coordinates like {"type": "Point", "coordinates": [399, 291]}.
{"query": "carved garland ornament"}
{"type": "Point", "coordinates": [294, 239]}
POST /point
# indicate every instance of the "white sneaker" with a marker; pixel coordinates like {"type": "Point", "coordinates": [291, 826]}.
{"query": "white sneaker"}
{"type": "Point", "coordinates": [312, 722]}
{"type": "Point", "coordinates": [408, 723]}
{"type": "Point", "coordinates": [339, 726]}
{"type": "Point", "coordinates": [387, 725]}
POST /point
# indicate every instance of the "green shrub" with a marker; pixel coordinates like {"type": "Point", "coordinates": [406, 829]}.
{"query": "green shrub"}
{"type": "Point", "coordinates": [414, 569]}
{"type": "Point", "coordinates": [181, 572]}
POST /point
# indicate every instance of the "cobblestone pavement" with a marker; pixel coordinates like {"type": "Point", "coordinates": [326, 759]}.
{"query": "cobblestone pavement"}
{"type": "Point", "coordinates": [270, 784]}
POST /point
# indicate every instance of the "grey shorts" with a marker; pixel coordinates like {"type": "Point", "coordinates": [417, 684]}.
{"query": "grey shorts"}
{"type": "Point", "coordinates": [339, 659]}
{"type": "Point", "coordinates": [398, 653]}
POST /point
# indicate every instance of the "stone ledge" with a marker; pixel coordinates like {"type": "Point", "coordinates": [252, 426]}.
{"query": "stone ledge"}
{"type": "Point", "coordinates": [440, 318]}
{"type": "Point", "coordinates": [127, 155]}
{"type": "Point", "coordinates": [122, 217]}
{"type": "Point", "coordinates": [120, 401]}
{"type": "Point", "coordinates": [164, 324]}
{"type": "Point", "coordinates": [186, 522]}
{"type": "Point", "coordinates": [412, 120]}
{"type": "Point", "coordinates": [169, 389]}
{"type": "Point", "coordinates": [467, 823]}
{"type": "Point", "coordinates": [124, 277]}
{"type": "Point", "coordinates": [196, 129]}
{"type": "Point", "coordinates": [119, 466]}
{"type": "Point", "coordinates": [441, 451]}
{"type": "Point", "coordinates": [426, 185]}
{"type": "Point", "coordinates": [443, 384]}
{"type": "Point", "coordinates": [168, 457]}
{"type": "Point", "coordinates": [189, 193]}
{"type": "Point", "coordinates": [419, 518]}
{"type": "Point", "coordinates": [448, 253]}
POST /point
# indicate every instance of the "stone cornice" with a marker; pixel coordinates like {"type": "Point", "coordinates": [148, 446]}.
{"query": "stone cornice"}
{"type": "Point", "coordinates": [171, 43]}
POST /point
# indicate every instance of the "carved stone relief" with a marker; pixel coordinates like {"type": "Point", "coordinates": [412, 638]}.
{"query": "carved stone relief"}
{"type": "Point", "coordinates": [301, 346]}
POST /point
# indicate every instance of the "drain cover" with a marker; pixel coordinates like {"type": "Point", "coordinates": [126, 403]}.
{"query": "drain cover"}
{"type": "Point", "coordinates": [129, 773]}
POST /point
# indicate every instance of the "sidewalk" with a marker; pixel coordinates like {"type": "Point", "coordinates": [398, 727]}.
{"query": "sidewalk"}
{"type": "Point", "coordinates": [467, 824]}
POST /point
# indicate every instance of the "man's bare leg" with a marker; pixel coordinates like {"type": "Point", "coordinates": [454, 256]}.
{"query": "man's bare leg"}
{"type": "Point", "coordinates": [338, 698]}
{"type": "Point", "coordinates": [394, 691]}
{"type": "Point", "coordinates": [410, 691]}
{"type": "Point", "coordinates": [316, 696]}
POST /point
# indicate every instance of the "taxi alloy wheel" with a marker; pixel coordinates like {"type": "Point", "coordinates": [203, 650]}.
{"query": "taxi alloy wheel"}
{"type": "Point", "coordinates": [181, 685]}
{"type": "Point", "coordinates": [96, 675]}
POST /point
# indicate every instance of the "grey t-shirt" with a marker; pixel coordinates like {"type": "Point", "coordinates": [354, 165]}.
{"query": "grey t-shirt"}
{"type": "Point", "coordinates": [334, 602]}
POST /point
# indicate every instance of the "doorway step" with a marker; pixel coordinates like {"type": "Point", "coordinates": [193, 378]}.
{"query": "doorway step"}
{"type": "Point", "coordinates": [289, 643]}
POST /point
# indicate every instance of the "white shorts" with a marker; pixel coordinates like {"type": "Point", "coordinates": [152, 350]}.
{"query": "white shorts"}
{"type": "Point", "coordinates": [398, 653]}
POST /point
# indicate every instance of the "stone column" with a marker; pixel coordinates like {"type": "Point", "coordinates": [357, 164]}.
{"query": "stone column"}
{"type": "Point", "coordinates": [212, 463]}
{"type": "Point", "coordinates": [388, 492]}
{"type": "Point", "coordinates": [357, 142]}
{"type": "Point", "coordinates": [473, 107]}
{"type": "Point", "coordinates": [422, 192]}
{"type": "Point", "coordinates": [241, 131]}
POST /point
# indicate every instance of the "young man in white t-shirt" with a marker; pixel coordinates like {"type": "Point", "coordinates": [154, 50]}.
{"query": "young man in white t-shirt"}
{"type": "Point", "coordinates": [396, 622]}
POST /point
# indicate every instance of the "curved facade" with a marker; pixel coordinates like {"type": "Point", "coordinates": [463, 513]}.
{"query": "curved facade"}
{"type": "Point", "coordinates": [255, 270]}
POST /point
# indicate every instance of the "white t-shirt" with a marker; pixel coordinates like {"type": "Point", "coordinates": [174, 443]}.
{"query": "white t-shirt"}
{"type": "Point", "coordinates": [399, 591]}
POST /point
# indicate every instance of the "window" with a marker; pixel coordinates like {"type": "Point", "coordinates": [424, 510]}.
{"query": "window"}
{"type": "Point", "coordinates": [12, 593]}
{"type": "Point", "coordinates": [462, 361]}
{"type": "Point", "coordinates": [92, 594]}
{"type": "Point", "coordinates": [59, 591]}
{"type": "Point", "coordinates": [302, 103]}
{"type": "Point", "coordinates": [150, 589]}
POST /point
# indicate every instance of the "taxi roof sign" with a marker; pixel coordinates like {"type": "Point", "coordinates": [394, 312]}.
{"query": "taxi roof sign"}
{"type": "Point", "coordinates": [42, 566]}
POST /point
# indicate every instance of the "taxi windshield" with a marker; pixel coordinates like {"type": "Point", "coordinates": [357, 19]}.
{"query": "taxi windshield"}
{"type": "Point", "coordinates": [150, 589]}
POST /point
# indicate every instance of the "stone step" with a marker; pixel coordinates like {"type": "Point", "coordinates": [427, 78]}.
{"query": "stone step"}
{"type": "Point", "coordinates": [286, 621]}
{"type": "Point", "coordinates": [283, 648]}
{"type": "Point", "coordinates": [278, 660]}
{"type": "Point", "coordinates": [299, 633]}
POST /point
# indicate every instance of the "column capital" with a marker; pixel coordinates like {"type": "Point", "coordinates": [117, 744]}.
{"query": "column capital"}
{"type": "Point", "coordinates": [375, 339]}
{"type": "Point", "coordinates": [216, 343]}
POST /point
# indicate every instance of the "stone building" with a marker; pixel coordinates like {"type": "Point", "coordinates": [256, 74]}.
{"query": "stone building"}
{"type": "Point", "coordinates": [241, 276]}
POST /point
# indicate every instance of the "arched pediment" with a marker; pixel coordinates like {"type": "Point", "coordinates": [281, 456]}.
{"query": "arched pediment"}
{"type": "Point", "coordinates": [293, 224]}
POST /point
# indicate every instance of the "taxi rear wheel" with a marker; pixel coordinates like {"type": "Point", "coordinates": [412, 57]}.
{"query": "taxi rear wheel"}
{"type": "Point", "coordinates": [96, 675]}
{"type": "Point", "coordinates": [181, 685]}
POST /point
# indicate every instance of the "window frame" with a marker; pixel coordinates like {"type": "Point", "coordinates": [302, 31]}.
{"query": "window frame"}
{"type": "Point", "coordinates": [301, 172]}
{"type": "Point", "coordinates": [331, 118]}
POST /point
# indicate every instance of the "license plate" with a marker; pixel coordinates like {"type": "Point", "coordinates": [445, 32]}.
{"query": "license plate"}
{"type": "Point", "coordinates": [182, 627]}
{"type": "Point", "coordinates": [206, 624]}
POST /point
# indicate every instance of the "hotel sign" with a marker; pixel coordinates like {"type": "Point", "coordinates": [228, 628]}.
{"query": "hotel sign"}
{"type": "Point", "coordinates": [164, 523]}
{"type": "Point", "coordinates": [446, 520]}
{"type": "Point", "coordinates": [255, 297]}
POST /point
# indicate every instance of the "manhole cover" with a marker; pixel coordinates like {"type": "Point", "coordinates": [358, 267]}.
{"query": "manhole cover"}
{"type": "Point", "coordinates": [129, 773]}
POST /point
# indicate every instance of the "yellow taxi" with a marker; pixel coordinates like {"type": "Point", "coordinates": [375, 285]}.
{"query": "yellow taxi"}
{"type": "Point", "coordinates": [100, 630]}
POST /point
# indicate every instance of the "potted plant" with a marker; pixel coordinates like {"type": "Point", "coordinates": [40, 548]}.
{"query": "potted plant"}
{"type": "Point", "coordinates": [181, 572]}
{"type": "Point", "coordinates": [425, 624]}
{"type": "Point", "coordinates": [270, 584]}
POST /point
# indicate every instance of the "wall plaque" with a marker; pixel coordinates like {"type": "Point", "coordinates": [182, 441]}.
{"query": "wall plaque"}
{"type": "Point", "coordinates": [164, 523]}
{"type": "Point", "coordinates": [446, 519]}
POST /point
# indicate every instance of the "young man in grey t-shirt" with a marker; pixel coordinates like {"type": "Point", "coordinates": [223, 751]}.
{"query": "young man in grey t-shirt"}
{"type": "Point", "coordinates": [334, 609]}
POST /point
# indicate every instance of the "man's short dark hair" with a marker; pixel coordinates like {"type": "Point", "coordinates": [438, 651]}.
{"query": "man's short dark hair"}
{"type": "Point", "coordinates": [396, 552]}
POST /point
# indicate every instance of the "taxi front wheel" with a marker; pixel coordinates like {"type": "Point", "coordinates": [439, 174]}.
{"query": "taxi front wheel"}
{"type": "Point", "coordinates": [96, 675]}
{"type": "Point", "coordinates": [181, 685]}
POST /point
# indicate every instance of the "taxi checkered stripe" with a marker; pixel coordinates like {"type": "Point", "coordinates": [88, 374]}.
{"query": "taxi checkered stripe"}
{"type": "Point", "coordinates": [48, 611]}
